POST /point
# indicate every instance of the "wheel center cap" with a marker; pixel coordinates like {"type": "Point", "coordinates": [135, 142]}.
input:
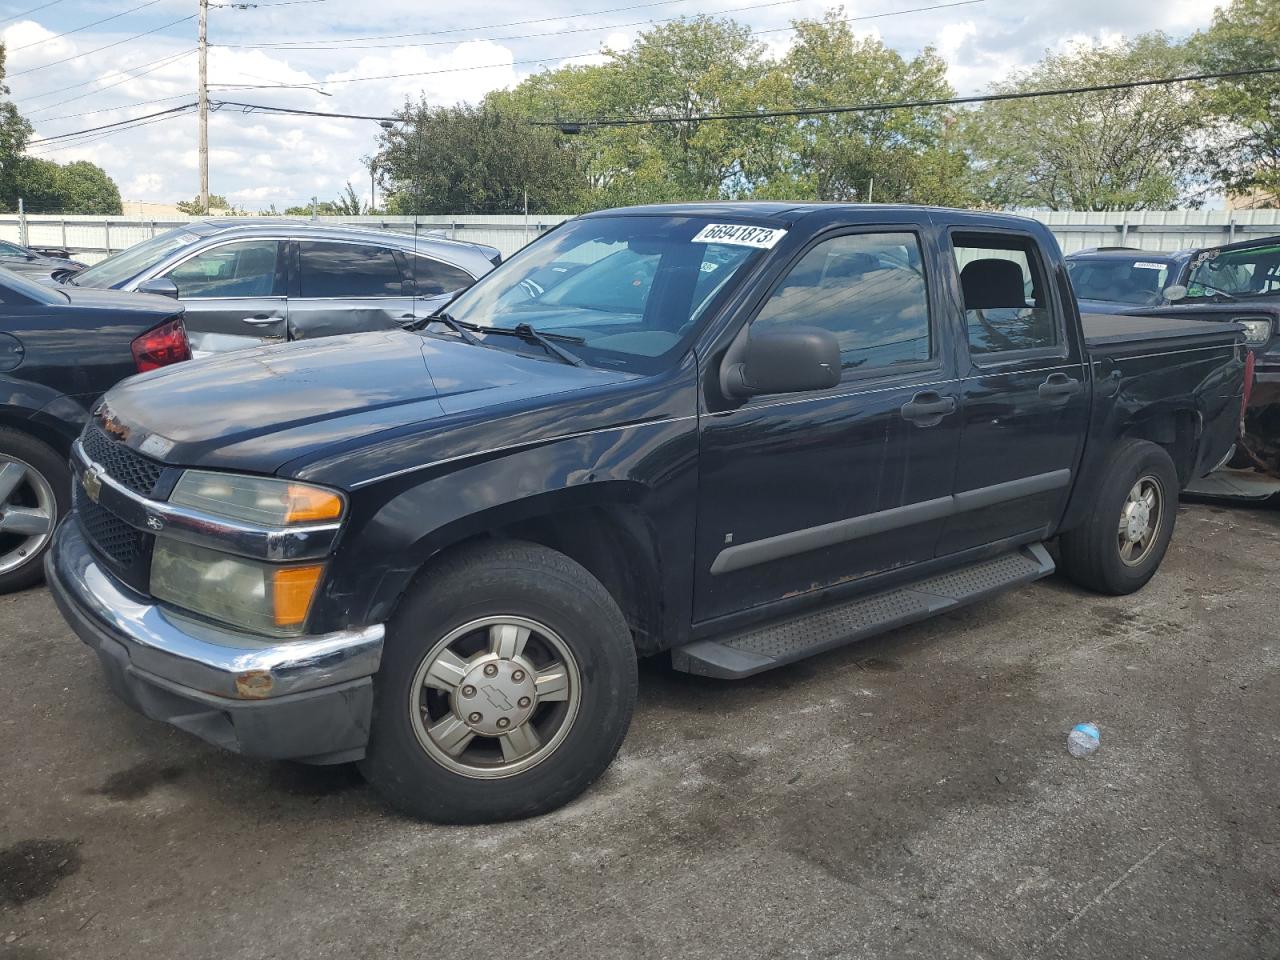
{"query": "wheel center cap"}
{"type": "Point", "coordinates": [495, 695]}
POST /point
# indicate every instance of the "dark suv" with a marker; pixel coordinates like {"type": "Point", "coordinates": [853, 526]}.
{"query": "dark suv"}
{"type": "Point", "coordinates": [247, 282]}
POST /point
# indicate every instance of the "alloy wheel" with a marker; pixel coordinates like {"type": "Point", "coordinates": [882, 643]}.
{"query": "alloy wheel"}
{"type": "Point", "coordinates": [1140, 520]}
{"type": "Point", "coordinates": [28, 510]}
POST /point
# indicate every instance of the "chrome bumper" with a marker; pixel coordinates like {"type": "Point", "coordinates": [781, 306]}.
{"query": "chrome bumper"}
{"type": "Point", "coordinates": [192, 654]}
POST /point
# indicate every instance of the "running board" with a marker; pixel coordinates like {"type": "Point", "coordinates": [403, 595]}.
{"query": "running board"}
{"type": "Point", "coordinates": [761, 648]}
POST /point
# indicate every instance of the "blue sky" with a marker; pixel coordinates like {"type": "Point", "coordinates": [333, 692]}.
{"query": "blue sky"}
{"type": "Point", "coordinates": [456, 53]}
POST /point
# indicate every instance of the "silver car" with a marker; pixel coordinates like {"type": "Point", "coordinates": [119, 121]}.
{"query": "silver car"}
{"type": "Point", "coordinates": [251, 281]}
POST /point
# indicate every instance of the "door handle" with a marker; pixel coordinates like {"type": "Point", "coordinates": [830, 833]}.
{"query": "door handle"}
{"type": "Point", "coordinates": [927, 409]}
{"type": "Point", "coordinates": [260, 320]}
{"type": "Point", "coordinates": [1059, 387]}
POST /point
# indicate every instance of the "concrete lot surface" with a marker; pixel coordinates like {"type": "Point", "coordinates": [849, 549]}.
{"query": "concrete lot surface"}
{"type": "Point", "coordinates": [908, 797]}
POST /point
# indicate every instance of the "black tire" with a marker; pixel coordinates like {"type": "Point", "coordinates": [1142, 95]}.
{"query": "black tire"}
{"type": "Point", "coordinates": [492, 580]}
{"type": "Point", "coordinates": [1090, 554]}
{"type": "Point", "coordinates": [48, 463]}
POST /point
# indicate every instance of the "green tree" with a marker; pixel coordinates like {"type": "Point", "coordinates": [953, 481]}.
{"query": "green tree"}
{"type": "Point", "coordinates": [474, 159]}
{"type": "Point", "coordinates": [76, 187]}
{"type": "Point", "coordinates": [194, 208]}
{"type": "Point", "coordinates": [1110, 150]}
{"type": "Point", "coordinates": [14, 134]}
{"type": "Point", "coordinates": [887, 155]}
{"type": "Point", "coordinates": [1242, 152]}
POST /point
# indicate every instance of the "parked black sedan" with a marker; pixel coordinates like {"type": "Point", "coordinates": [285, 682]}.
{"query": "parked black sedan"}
{"type": "Point", "coordinates": [60, 349]}
{"type": "Point", "coordinates": [35, 264]}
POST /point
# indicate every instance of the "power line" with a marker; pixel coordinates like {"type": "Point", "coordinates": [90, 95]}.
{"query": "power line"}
{"type": "Point", "coordinates": [120, 106]}
{"type": "Point", "coordinates": [136, 36]}
{"type": "Point", "coordinates": [346, 45]}
{"type": "Point", "coordinates": [904, 104]}
{"type": "Point", "coordinates": [43, 6]}
{"type": "Point", "coordinates": [798, 112]}
{"type": "Point", "coordinates": [109, 126]}
{"type": "Point", "coordinates": [580, 56]}
{"type": "Point", "coordinates": [315, 42]}
{"type": "Point", "coordinates": [67, 144]}
{"type": "Point", "coordinates": [152, 68]}
{"type": "Point", "coordinates": [67, 33]}
{"type": "Point", "coordinates": [85, 83]}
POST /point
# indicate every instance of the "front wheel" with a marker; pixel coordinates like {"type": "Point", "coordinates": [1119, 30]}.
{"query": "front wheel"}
{"type": "Point", "coordinates": [35, 493]}
{"type": "Point", "coordinates": [506, 687]}
{"type": "Point", "coordinates": [1120, 546]}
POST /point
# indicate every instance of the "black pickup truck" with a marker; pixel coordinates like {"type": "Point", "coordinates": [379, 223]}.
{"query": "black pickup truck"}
{"type": "Point", "coordinates": [737, 434]}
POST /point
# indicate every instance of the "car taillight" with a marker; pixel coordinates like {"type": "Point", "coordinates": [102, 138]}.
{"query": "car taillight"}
{"type": "Point", "coordinates": [161, 346]}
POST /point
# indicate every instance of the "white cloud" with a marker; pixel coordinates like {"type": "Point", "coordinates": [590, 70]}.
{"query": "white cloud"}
{"type": "Point", "coordinates": [259, 159]}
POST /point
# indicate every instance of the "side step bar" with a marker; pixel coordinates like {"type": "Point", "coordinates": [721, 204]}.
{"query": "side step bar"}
{"type": "Point", "coordinates": [761, 648]}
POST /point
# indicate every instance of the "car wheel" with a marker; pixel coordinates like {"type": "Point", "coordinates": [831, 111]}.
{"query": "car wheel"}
{"type": "Point", "coordinates": [506, 687]}
{"type": "Point", "coordinates": [35, 492]}
{"type": "Point", "coordinates": [1120, 546]}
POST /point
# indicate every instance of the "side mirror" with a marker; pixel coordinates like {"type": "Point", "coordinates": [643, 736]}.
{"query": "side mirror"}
{"type": "Point", "coordinates": [781, 361]}
{"type": "Point", "coordinates": [161, 286]}
{"type": "Point", "coordinates": [1175, 293]}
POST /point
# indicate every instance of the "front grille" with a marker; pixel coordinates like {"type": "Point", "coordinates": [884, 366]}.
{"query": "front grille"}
{"type": "Point", "coordinates": [120, 542]}
{"type": "Point", "coordinates": [127, 467]}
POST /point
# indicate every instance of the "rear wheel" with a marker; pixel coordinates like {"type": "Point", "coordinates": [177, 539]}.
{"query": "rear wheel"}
{"type": "Point", "coordinates": [35, 490]}
{"type": "Point", "coordinates": [1120, 546]}
{"type": "Point", "coordinates": [506, 687]}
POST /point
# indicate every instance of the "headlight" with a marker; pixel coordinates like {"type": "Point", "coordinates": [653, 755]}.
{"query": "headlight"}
{"type": "Point", "coordinates": [264, 500]}
{"type": "Point", "coordinates": [1256, 331]}
{"type": "Point", "coordinates": [266, 598]}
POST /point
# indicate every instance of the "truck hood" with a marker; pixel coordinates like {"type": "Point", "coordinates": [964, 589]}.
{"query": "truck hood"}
{"type": "Point", "coordinates": [255, 410]}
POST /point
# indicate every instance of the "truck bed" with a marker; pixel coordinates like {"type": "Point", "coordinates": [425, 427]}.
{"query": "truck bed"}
{"type": "Point", "coordinates": [1111, 331]}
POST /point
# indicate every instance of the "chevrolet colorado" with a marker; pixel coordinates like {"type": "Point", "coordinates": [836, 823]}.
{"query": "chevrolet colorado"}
{"type": "Point", "coordinates": [737, 434]}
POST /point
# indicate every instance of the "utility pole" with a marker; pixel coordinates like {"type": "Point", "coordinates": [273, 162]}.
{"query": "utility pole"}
{"type": "Point", "coordinates": [203, 98]}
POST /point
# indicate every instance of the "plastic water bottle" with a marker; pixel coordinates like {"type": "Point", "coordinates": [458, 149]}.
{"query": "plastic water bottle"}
{"type": "Point", "coordinates": [1083, 740]}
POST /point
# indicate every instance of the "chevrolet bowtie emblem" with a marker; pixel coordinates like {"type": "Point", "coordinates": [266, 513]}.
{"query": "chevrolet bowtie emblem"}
{"type": "Point", "coordinates": [92, 484]}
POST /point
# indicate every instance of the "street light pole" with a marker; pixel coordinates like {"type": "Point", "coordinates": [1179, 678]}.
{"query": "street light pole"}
{"type": "Point", "coordinates": [203, 98]}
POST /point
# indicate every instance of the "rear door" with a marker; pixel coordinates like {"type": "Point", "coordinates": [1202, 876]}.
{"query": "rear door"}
{"type": "Point", "coordinates": [801, 492]}
{"type": "Point", "coordinates": [234, 293]}
{"type": "Point", "coordinates": [1024, 392]}
{"type": "Point", "coordinates": [432, 282]}
{"type": "Point", "coordinates": [347, 287]}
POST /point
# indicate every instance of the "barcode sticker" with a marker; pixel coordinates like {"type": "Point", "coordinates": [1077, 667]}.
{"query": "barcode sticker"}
{"type": "Point", "coordinates": [740, 235]}
{"type": "Point", "coordinates": [1142, 265]}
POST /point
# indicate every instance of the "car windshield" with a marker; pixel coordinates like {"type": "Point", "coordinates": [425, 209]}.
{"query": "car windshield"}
{"type": "Point", "coordinates": [127, 264]}
{"type": "Point", "coordinates": [8, 249]}
{"type": "Point", "coordinates": [15, 288]}
{"type": "Point", "coordinates": [1251, 272]}
{"type": "Point", "coordinates": [1120, 280]}
{"type": "Point", "coordinates": [613, 291]}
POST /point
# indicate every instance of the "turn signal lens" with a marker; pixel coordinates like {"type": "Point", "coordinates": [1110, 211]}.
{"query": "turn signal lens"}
{"type": "Point", "coordinates": [293, 589]}
{"type": "Point", "coordinates": [309, 504]}
{"type": "Point", "coordinates": [262, 500]}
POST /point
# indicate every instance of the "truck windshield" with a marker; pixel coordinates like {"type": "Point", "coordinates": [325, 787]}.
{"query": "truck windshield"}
{"type": "Point", "coordinates": [121, 267]}
{"type": "Point", "coordinates": [1250, 272]}
{"type": "Point", "coordinates": [1119, 280]}
{"type": "Point", "coordinates": [615, 291]}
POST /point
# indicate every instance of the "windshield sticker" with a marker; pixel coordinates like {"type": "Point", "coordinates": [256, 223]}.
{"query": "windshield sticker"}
{"type": "Point", "coordinates": [740, 235]}
{"type": "Point", "coordinates": [1141, 265]}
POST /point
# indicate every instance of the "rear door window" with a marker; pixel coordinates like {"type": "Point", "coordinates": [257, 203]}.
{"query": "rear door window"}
{"type": "Point", "coordinates": [353, 271]}
{"type": "Point", "coordinates": [1007, 308]}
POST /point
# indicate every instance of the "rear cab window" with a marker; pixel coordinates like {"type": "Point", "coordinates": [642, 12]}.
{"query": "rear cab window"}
{"type": "Point", "coordinates": [333, 270]}
{"type": "Point", "coordinates": [1008, 309]}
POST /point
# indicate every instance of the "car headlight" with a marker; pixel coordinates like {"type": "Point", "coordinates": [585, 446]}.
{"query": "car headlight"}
{"type": "Point", "coordinates": [268, 598]}
{"type": "Point", "coordinates": [1256, 331]}
{"type": "Point", "coordinates": [262, 500]}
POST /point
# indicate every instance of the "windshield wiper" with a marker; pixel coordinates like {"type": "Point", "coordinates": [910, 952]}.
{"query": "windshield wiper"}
{"type": "Point", "coordinates": [526, 332]}
{"type": "Point", "coordinates": [455, 326]}
{"type": "Point", "coordinates": [1214, 291]}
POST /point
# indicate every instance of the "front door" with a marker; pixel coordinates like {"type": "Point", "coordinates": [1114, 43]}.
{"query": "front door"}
{"type": "Point", "coordinates": [346, 287]}
{"type": "Point", "coordinates": [1024, 389]}
{"type": "Point", "coordinates": [234, 293]}
{"type": "Point", "coordinates": [801, 492]}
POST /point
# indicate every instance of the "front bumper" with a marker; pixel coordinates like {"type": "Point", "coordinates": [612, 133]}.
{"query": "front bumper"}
{"type": "Point", "coordinates": [307, 699]}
